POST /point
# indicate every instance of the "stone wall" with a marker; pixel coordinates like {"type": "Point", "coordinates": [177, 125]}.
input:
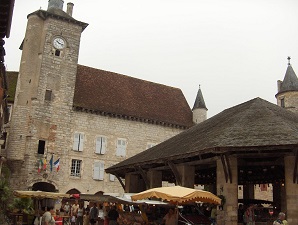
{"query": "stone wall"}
{"type": "Point", "coordinates": [290, 100]}
{"type": "Point", "coordinates": [54, 121]}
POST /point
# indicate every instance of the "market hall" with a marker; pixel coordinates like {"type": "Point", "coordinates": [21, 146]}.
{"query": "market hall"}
{"type": "Point", "coordinates": [252, 143]}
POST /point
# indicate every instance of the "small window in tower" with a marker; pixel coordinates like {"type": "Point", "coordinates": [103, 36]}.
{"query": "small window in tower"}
{"type": "Point", "coordinates": [57, 52]}
{"type": "Point", "coordinates": [282, 102]}
{"type": "Point", "coordinates": [48, 95]}
{"type": "Point", "coordinates": [41, 146]}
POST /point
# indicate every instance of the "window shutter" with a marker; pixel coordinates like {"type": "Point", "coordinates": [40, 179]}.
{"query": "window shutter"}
{"type": "Point", "coordinates": [118, 150]}
{"type": "Point", "coordinates": [96, 170]}
{"type": "Point", "coordinates": [112, 177]}
{"type": "Point", "coordinates": [104, 145]}
{"type": "Point", "coordinates": [101, 171]}
{"type": "Point", "coordinates": [81, 142]}
{"type": "Point", "coordinates": [123, 148]}
{"type": "Point", "coordinates": [76, 141]}
{"type": "Point", "coordinates": [100, 145]}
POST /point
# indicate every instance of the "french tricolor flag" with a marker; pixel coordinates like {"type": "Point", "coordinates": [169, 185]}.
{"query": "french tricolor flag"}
{"type": "Point", "coordinates": [57, 164]}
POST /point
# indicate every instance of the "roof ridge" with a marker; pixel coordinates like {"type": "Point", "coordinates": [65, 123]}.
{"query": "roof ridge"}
{"type": "Point", "coordinates": [131, 77]}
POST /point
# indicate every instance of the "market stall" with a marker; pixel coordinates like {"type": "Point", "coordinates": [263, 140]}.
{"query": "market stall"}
{"type": "Point", "coordinates": [44, 199]}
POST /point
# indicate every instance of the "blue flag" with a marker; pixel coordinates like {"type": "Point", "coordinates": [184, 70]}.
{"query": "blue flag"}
{"type": "Point", "coordinates": [51, 163]}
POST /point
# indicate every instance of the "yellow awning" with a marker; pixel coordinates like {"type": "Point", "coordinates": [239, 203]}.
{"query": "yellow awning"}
{"type": "Point", "coordinates": [40, 194]}
{"type": "Point", "coordinates": [178, 195]}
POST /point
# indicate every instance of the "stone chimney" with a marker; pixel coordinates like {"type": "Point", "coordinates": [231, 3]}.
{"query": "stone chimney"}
{"type": "Point", "coordinates": [56, 4]}
{"type": "Point", "coordinates": [69, 8]}
{"type": "Point", "coordinates": [279, 82]}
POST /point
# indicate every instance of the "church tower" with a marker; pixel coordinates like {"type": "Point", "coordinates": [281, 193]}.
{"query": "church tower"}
{"type": "Point", "coordinates": [287, 95]}
{"type": "Point", "coordinates": [45, 88]}
{"type": "Point", "coordinates": [199, 110]}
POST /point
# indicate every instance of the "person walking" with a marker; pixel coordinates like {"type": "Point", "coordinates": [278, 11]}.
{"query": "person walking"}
{"type": "Point", "coordinates": [80, 213]}
{"type": "Point", "coordinates": [213, 214]}
{"type": "Point", "coordinates": [250, 215]}
{"type": "Point", "coordinates": [171, 217]}
{"type": "Point", "coordinates": [113, 216]}
{"type": "Point", "coordinates": [281, 219]}
{"type": "Point", "coordinates": [93, 216]}
{"type": "Point", "coordinates": [47, 217]}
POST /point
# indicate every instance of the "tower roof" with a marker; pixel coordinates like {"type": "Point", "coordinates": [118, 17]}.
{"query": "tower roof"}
{"type": "Point", "coordinates": [290, 82]}
{"type": "Point", "coordinates": [199, 102]}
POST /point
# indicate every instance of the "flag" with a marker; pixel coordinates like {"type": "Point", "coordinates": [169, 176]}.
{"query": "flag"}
{"type": "Point", "coordinates": [39, 165]}
{"type": "Point", "coordinates": [51, 163]}
{"type": "Point", "coordinates": [57, 164]}
{"type": "Point", "coordinates": [45, 163]}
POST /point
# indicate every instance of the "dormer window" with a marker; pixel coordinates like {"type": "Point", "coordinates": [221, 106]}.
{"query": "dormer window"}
{"type": "Point", "coordinates": [282, 102]}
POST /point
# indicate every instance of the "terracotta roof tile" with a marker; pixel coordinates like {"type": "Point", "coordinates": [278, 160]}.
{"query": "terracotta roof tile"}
{"type": "Point", "coordinates": [118, 94]}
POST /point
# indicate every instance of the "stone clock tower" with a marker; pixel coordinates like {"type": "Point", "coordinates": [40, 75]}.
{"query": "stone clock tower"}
{"type": "Point", "coordinates": [45, 89]}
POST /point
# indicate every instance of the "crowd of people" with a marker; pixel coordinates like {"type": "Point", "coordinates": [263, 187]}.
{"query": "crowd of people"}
{"type": "Point", "coordinates": [248, 215]}
{"type": "Point", "coordinates": [97, 214]}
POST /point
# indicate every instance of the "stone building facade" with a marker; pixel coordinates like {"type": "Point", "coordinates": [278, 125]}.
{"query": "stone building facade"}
{"type": "Point", "coordinates": [78, 119]}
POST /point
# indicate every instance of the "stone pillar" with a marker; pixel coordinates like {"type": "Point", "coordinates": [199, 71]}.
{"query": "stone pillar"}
{"type": "Point", "coordinates": [277, 197]}
{"type": "Point", "coordinates": [132, 183]}
{"type": "Point", "coordinates": [187, 174]}
{"type": "Point", "coordinates": [248, 191]}
{"type": "Point", "coordinates": [154, 178]}
{"type": "Point", "coordinates": [291, 190]}
{"type": "Point", "coordinates": [228, 216]}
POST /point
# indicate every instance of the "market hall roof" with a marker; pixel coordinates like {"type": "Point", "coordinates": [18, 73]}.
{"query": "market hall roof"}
{"type": "Point", "coordinates": [124, 96]}
{"type": "Point", "coordinates": [256, 124]}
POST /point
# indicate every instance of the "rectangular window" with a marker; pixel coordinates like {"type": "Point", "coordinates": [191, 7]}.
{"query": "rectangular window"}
{"type": "Point", "coordinates": [41, 146]}
{"type": "Point", "coordinates": [75, 170]}
{"type": "Point", "coordinates": [121, 147]}
{"type": "Point", "coordinates": [78, 142]}
{"type": "Point", "coordinates": [98, 171]}
{"type": "Point", "coordinates": [282, 102]}
{"type": "Point", "coordinates": [48, 95]}
{"type": "Point", "coordinates": [101, 145]}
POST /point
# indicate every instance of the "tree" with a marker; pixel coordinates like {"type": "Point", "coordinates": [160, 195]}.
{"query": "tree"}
{"type": "Point", "coordinates": [6, 195]}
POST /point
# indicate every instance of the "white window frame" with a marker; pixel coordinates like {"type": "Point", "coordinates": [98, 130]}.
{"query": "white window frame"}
{"type": "Point", "coordinates": [78, 141]}
{"type": "Point", "coordinates": [98, 170]}
{"type": "Point", "coordinates": [100, 145]}
{"type": "Point", "coordinates": [76, 166]}
{"type": "Point", "coordinates": [121, 147]}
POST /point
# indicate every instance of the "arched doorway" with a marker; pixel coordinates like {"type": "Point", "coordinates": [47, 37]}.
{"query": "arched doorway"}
{"type": "Point", "coordinates": [44, 186]}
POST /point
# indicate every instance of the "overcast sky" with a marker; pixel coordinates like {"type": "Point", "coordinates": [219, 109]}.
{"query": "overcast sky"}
{"type": "Point", "coordinates": [235, 49]}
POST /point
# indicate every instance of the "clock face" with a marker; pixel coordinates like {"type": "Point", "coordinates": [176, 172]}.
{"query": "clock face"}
{"type": "Point", "coordinates": [59, 43]}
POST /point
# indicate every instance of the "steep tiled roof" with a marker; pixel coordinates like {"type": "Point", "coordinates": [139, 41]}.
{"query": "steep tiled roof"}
{"type": "Point", "coordinates": [290, 82]}
{"type": "Point", "coordinates": [199, 102]}
{"type": "Point", "coordinates": [256, 123]}
{"type": "Point", "coordinates": [112, 93]}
